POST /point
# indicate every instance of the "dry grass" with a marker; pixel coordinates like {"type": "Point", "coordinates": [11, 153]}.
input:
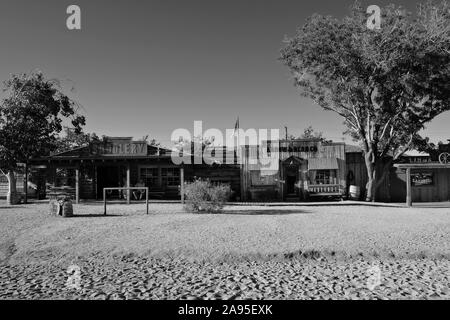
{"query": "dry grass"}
{"type": "Point", "coordinates": [28, 234]}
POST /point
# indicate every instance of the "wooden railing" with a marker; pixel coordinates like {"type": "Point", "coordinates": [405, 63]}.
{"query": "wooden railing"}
{"type": "Point", "coordinates": [324, 189]}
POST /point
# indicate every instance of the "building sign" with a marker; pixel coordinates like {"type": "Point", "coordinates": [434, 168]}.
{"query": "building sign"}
{"type": "Point", "coordinates": [132, 148]}
{"type": "Point", "coordinates": [419, 159]}
{"type": "Point", "coordinates": [299, 146]}
{"type": "Point", "coordinates": [422, 179]}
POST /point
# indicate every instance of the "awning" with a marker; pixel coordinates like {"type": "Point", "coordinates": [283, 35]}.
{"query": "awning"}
{"type": "Point", "coordinates": [323, 164]}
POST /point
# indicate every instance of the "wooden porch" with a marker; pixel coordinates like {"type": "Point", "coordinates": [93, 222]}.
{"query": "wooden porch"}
{"type": "Point", "coordinates": [322, 190]}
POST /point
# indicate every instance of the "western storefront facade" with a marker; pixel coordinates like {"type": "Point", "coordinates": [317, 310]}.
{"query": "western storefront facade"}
{"type": "Point", "coordinates": [307, 170]}
{"type": "Point", "coordinates": [118, 163]}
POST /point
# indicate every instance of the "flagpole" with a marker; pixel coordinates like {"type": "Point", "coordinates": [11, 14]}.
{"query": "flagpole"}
{"type": "Point", "coordinates": [240, 161]}
{"type": "Point", "coordinates": [239, 139]}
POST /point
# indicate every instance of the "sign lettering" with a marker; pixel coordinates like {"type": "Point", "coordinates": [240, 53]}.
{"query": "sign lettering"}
{"type": "Point", "coordinates": [137, 149]}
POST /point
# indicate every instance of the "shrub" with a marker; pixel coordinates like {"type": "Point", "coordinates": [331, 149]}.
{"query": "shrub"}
{"type": "Point", "coordinates": [204, 196]}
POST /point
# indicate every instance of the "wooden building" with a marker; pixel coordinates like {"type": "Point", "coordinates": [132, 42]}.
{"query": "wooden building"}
{"type": "Point", "coordinates": [418, 177]}
{"type": "Point", "coordinates": [122, 162]}
{"type": "Point", "coordinates": [306, 168]}
{"type": "Point", "coordinates": [422, 182]}
{"type": "Point", "coordinates": [116, 162]}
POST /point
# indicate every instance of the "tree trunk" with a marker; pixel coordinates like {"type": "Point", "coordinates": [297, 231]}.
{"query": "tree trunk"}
{"type": "Point", "coordinates": [377, 171]}
{"type": "Point", "coordinates": [12, 197]}
{"type": "Point", "coordinates": [371, 166]}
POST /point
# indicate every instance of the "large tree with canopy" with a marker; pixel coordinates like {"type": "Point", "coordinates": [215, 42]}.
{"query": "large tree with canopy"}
{"type": "Point", "coordinates": [32, 115]}
{"type": "Point", "coordinates": [386, 83]}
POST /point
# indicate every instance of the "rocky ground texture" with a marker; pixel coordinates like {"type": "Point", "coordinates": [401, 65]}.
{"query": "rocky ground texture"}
{"type": "Point", "coordinates": [144, 278]}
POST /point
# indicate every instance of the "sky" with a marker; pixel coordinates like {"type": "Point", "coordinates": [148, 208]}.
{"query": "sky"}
{"type": "Point", "coordinates": [149, 67]}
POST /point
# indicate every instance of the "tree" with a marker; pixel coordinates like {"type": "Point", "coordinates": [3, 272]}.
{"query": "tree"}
{"type": "Point", "coordinates": [151, 142]}
{"type": "Point", "coordinates": [71, 140]}
{"type": "Point", "coordinates": [310, 133]}
{"type": "Point", "coordinates": [386, 83]}
{"type": "Point", "coordinates": [31, 116]}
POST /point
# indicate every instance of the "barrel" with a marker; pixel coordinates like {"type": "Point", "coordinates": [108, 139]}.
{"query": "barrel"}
{"type": "Point", "coordinates": [67, 208]}
{"type": "Point", "coordinates": [355, 192]}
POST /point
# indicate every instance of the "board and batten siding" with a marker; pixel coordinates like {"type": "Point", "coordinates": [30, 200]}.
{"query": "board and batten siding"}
{"type": "Point", "coordinates": [437, 192]}
{"type": "Point", "coordinates": [357, 167]}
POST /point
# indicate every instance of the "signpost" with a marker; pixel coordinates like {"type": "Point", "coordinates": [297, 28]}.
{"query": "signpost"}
{"type": "Point", "coordinates": [128, 192]}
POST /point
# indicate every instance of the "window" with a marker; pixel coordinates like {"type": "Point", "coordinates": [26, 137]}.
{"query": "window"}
{"type": "Point", "coordinates": [150, 176]}
{"type": "Point", "coordinates": [170, 177]}
{"type": "Point", "coordinates": [323, 176]}
{"type": "Point", "coordinates": [65, 177]}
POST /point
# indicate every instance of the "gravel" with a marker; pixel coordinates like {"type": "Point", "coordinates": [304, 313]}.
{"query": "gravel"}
{"type": "Point", "coordinates": [142, 278]}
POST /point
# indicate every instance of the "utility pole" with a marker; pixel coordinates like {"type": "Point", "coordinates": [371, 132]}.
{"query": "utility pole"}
{"type": "Point", "coordinates": [286, 128]}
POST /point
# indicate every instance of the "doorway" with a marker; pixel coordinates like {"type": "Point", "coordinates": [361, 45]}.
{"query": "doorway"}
{"type": "Point", "coordinates": [109, 177]}
{"type": "Point", "coordinates": [290, 185]}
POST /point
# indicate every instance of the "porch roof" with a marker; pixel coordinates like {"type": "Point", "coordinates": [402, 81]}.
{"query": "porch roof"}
{"type": "Point", "coordinates": [432, 165]}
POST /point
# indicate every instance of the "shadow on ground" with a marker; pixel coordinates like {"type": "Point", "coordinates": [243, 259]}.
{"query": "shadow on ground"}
{"type": "Point", "coordinates": [97, 216]}
{"type": "Point", "coordinates": [264, 212]}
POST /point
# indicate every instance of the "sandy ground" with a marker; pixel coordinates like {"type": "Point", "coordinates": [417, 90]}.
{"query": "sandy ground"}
{"type": "Point", "coordinates": [321, 252]}
{"type": "Point", "coordinates": [29, 235]}
{"type": "Point", "coordinates": [141, 278]}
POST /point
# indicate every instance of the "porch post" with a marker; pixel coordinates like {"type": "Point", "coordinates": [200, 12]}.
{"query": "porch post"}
{"type": "Point", "coordinates": [25, 185]}
{"type": "Point", "coordinates": [128, 184]}
{"type": "Point", "coordinates": [408, 188]}
{"type": "Point", "coordinates": [283, 181]}
{"type": "Point", "coordinates": [182, 184]}
{"type": "Point", "coordinates": [77, 185]}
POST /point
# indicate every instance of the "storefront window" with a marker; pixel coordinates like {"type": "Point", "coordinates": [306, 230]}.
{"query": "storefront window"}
{"type": "Point", "coordinates": [170, 177]}
{"type": "Point", "coordinates": [323, 176]}
{"type": "Point", "coordinates": [150, 176]}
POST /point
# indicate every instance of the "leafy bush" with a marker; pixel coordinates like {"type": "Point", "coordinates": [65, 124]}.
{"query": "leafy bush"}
{"type": "Point", "coordinates": [202, 196]}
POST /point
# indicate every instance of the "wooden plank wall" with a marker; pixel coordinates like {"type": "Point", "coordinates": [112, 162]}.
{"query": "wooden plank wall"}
{"type": "Point", "coordinates": [355, 164]}
{"type": "Point", "coordinates": [438, 192]}
{"type": "Point", "coordinates": [228, 174]}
